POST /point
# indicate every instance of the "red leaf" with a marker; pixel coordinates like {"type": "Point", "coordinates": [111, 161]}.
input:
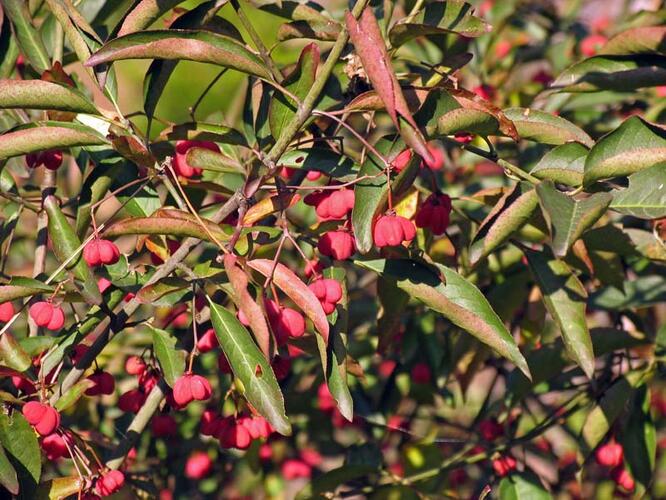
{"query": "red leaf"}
{"type": "Point", "coordinates": [296, 290]}
{"type": "Point", "coordinates": [371, 49]}
{"type": "Point", "coordinates": [247, 305]}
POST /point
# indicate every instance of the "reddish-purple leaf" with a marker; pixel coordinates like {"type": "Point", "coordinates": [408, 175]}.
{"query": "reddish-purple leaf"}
{"type": "Point", "coordinates": [371, 49]}
{"type": "Point", "coordinates": [296, 290]}
{"type": "Point", "coordinates": [247, 305]}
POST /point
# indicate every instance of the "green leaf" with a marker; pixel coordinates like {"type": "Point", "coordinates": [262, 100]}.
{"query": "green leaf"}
{"type": "Point", "coordinates": [645, 197]}
{"type": "Point", "coordinates": [144, 13]}
{"type": "Point", "coordinates": [73, 394]}
{"type": "Point", "coordinates": [371, 194]}
{"type": "Point", "coordinates": [522, 486]}
{"type": "Point", "coordinates": [335, 368]}
{"type": "Point", "coordinates": [28, 37]}
{"type": "Point", "coordinates": [640, 40]}
{"type": "Point", "coordinates": [508, 215]}
{"type": "Point", "coordinates": [36, 345]}
{"type": "Point", "coordinates": [8, 477]}
{"type": "Point", "coordinates": [439, 18]}
{"type": "Point", "coordinates": [19, 287]}
{"type": "Point", "coordinates": [473, 121]}
{"type": "Point", "coordinates": [620, 74]}
{"type": "Point", "coordinates": [639, 438]}
{"type": "Point", "coordinates": [321, 160]}
{"type": "Point", "coordinates": [609, 408]}
{"type": "Point", "coordinates": [39, 94]}
{"type": "Point", "coordinates": [20, 443]}
{"type": "Point", "coordinates": [250, 367]}
{"type": "Point", "coordinates": [172, 360]}
{"type": "Point", "coordinates": [569, 218]}
{"type": "Point", "coordinates": [153, 294]}
{"type": "Point", "coordinates": [46, 135]}
{"type": "Point", "coordinates": [454, 297]}
{"type": "Point", "coordinates": [12, 354]}
{"type": "Point", "coordinates": [634, 146]}
{"type": "Point", "coordinates": [168, 226]}
{"type": "Point", "coordinates": [206, 159]}
{"type": "Point", "coordinates": [67, 248]}
{"type": "Point", "coordinates": [191, 45]}
{"type": "Point", "coordinates": [563, 164]}
{"type": "Point", "coordinates": [565, 298]}
{"type": "Point", "coordinates": [546, 128]}
{"type": "Point", "coordinates": [298, 82]}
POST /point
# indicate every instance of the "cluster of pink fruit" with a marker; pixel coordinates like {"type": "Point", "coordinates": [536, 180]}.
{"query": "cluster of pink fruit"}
{"type": "Point", "coordinates": [611, 456]}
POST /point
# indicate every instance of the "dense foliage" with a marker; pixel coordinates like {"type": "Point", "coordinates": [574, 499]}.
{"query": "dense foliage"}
{"type": "Point", "coordinates": [387, 249]}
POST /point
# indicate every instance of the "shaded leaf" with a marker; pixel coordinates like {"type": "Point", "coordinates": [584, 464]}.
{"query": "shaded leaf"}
{"type": "Point", "coordinates": [438, 18]}
{"type": "Point", "coordinates": [371, 49]}
{"type": "Point", "coordinates": [39, 94]}
{"type": "Point", "coordinates": [608, 409]}
{"type": "Point", "coordinates": [48, 135]}
{"type": "Point", "coordinates": [546, 128]}
{"type": "Point", "coordinates": [620, 74]}
{"type": "Point", "coordinates": [250, 367]}
{"type": "Point", "coordinates": [640, 292]}
{"type": "Point", "coordinates": [270, 205]}
{"type": "Point", "coordinates": [8, 477]}
{"type": "Point", "coordinates": [200, 131]}
{"type": "Point", "coordinates": [19, 440]}
{"type": "Point", "coordinates": [327, 30]}
{"type": "Point", "coordinates": [191, 45]}
{"type": "Point", "coordinates": [563, 164]}
{"type": "Point", "coordinates": [510, 213]}
{"type": "Point", "coordinates": [569, 218]}
{"type": "Point", "coordinates": [320, 160]}
{"type": "Point", "coordinates": [565, 298]}
{"type": "Point", "coordinates": [639, 438]}
{"type": "Point", "coordinates": [171, 360]}
{"type": "Point", "coordinates": [28, 37]}
{"type": "Point", "coordinates": [34, 346]}
{"type": "Point", "coordinates": [332, 479]}
{"type": "Point", "coordinates": [645, 197]}
{"type": "Point", "coordinates": [287, 281]}
{"type": "Point", "coordinates": [523, 485]}
{"type": "Point", "coordinates": [67, 248]}
{"type": "Point", "coordinates": [633, 146]}
{"type": "Point", "coordinates": [458, 300]}
{"type": "Point", "coordinates": [298, 82]}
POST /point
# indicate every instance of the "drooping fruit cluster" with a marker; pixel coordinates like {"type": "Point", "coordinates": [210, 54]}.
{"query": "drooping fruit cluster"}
{"type": "Point", "coordinates": [100, 252]}
{"type": "Point", "coordinates": [109, 482]}
{"type": "Point", "coordinates": [50, 159]}
{"type": "Point", "coordinates": [328, 292]}
{"type": "Point", "coordinates": [611, 456]}
{"type": "Point", "coordinates": [47, 315]}
{"type": "Point", "coordinates": [234, 432]}
{"type": "Point", "coordinates": [434, 213]}
{"type": "Point", "coordinates": [392, 230]}
{"type": "Point", "coordinates": [43, 417]}
{"type": "Point", "coordinates": [190, 387]}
